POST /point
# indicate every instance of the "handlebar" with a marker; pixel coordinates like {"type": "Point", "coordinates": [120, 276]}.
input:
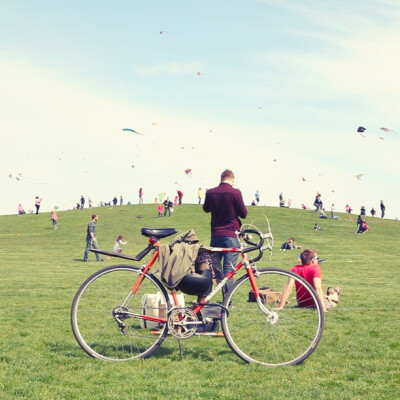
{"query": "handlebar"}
{"type": "Point", "coordinates": [247, 236]}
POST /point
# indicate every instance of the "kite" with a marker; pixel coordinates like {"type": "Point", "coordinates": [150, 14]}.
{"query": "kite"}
{"type": "Point", "coordinates": [131, 130]}
{"type": "Point", "coordinates": [303, 179]}
{"type": "Point", "coordinates": [361, 129]}
{"type": "Point", "coordinates": [162, 32]}
{"type": "Point", "coordinates": [359, 176]}
{"type": "Point", "coordinates": [388, 130]}
{"type": "Point", "coordinates": [17, 177]}
{"type": "Point", "coordinates": [381, 137]}
{"type": "Point", "coordinates": [200, 73]}
{"type": "Point", "coordinates": [188, 171]}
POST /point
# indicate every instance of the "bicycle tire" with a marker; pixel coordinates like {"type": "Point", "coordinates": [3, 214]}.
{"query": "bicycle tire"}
{"type": "Point", "coordinates": [290, 340]}
{"type": "Point", "coordinates": [94, 325]}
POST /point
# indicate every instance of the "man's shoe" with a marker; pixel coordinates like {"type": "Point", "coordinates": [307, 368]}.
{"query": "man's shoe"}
{"type": "Point", "coordinates": [100, 259]}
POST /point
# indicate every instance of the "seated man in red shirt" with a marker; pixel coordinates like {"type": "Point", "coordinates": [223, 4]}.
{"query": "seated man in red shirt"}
{"type": "Point", "coordinates": [310, 270]}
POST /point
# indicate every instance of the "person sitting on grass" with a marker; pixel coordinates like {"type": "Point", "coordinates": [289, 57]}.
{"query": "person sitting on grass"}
{"type": "Point", "coordinates": [332, 297]}
{"type": "Point", "coordinates": [310, 270]}
{"type": "Point", "coordinates": [362, 226]}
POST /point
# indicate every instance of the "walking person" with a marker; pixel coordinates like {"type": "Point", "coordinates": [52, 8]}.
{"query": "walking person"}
{"type": "Point", "coordinates": [141, 196]}
{"type": "Point", "coordinates": [91, 238]}
{"type": "Point", "coordinates": [200, 195]}
{"type": "Point", "coordinates": [38, 202]}
{"type": "Point", "coordinates": [225, 203]}
{"type": "Point", "coordinates": [383, 208]}
{"type": "Point", "coordinates": [54, 219]}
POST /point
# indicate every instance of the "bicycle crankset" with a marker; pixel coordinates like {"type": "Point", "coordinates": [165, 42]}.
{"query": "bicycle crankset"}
{"type": "Point", "coordinates": [182, 323]}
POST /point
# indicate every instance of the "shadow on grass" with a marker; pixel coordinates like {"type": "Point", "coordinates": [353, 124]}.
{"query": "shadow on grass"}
{"type": "Point", "coordinates": [170, 350]}
{"type": "Point", "coordinates": [67, 350]}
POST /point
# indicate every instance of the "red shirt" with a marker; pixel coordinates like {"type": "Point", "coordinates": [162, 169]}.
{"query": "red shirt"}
{"type": "Point", "coordinates": [308, 272]}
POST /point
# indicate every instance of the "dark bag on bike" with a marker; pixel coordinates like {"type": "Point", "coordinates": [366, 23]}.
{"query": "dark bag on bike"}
{"type": "Point", "coordinates": [267, 295]}
{"type": "Point", "coordinates": [210, 311]}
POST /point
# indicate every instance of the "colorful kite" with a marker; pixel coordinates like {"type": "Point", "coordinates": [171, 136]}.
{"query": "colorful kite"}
{"type": "Point", "coordinates": [359, 176]}
{"type": "Point", "coordinates": [388, 130]}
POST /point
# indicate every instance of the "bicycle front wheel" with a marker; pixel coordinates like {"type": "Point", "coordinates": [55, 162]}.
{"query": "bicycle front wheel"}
{"type": "Point", "coordinates": [272, 337]}
{"type": "Point", "coordinates": [107, 325]}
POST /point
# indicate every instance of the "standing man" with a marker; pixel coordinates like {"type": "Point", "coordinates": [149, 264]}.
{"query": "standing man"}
{"type": "Point", "coordinates": [38, 202]}
{"type": "Point", "coordinates": [199, 195]}
{"type": "Point", "coordinates": [91, 238]}
{"type": "Point", "coordinates": [226, 206]}
{"type": "Point", "coordinates": [180, 195]}
{"type": "Point", "coordinates": [141, 196]}
{"type": "Point", "coordinates": [383, 208]}
{"type": "Point", "coordinates": [82, 202]}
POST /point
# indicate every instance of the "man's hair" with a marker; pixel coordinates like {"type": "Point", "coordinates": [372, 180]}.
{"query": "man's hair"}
{"type": "Point", "coordinates": [227, 174]}
{"type": "Point", "coordinates": [306, 256]}
{"type": "Point", "coordinates": [94, 216]}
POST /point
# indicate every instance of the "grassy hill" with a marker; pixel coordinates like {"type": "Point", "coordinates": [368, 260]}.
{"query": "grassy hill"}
{"type": "Point", "coordinates": [41, 269]}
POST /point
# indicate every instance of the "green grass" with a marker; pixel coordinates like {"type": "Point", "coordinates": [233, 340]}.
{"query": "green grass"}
{"type": "Point", "coordinates": [41, 269]}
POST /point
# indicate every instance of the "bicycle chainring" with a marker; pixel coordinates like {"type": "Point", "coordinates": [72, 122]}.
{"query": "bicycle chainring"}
{"type": "Point", "coordinates": [180, 323]}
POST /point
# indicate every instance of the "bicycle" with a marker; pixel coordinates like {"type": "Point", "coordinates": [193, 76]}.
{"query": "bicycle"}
{"type": "Point", "coordinates": [110, 321]}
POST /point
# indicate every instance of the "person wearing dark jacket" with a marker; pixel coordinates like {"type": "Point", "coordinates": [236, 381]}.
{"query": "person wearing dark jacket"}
{"type": "Point", "coordinates": [225, 203]}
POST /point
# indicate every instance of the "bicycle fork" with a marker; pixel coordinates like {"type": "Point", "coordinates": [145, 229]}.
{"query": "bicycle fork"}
{"type": "Point", "coordinates": [272, 316]}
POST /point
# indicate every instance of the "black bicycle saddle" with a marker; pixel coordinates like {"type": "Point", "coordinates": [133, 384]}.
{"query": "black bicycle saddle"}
{"type": "Point", "coordinates": [159, 233]}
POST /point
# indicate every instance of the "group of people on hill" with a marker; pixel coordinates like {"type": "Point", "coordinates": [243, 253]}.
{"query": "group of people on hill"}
{"type": "Point", "coordinates": [225, 204]}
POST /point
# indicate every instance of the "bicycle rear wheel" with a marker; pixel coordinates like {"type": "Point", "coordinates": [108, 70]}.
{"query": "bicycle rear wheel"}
{"type": "Point", "coordinates": [108, 331]}
{"type": "Point", "coordinates": [285, 337]}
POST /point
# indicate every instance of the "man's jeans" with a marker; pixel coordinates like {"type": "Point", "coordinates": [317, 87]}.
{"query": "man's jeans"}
{"type": "Point", "coordinates": [89, 244]}
{"type": "Point", "coordinates": [230, 259]}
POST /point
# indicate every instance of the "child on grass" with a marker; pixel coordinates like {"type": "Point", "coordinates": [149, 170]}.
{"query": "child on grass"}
{"type": "Point", "coordinates": [332, 297]}
{"type": "Point", "coordinates": [117, 249]}
{"type": "Point", "coordinates": [54, 219]}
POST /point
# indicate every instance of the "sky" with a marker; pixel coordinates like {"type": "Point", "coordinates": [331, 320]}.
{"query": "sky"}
{"type": "Point", "coordinates": [272, 89]}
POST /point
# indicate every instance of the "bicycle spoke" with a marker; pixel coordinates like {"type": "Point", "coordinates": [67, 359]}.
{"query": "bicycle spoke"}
{"type": "Point", "coordinates": [97, 310]}
{"type": "Point", "coordinates": [289, 338]}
